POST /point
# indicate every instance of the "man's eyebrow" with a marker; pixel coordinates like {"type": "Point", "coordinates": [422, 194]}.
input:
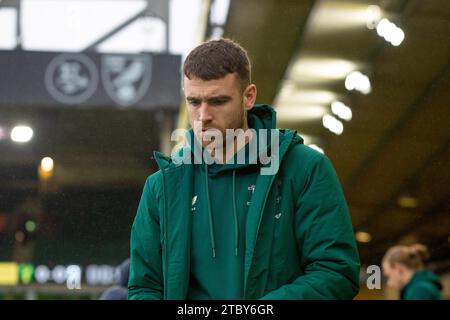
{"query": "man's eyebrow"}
{"type": "Point", "coordinates": [219, 98]}
{"type": "Point", "coordinates": [209, 99]}
{"type": "Point", "coordinates": [193, 98]}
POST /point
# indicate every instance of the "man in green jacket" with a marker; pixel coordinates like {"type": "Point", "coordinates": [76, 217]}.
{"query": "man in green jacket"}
{"type": "Point", "coordinates": [232, 222]}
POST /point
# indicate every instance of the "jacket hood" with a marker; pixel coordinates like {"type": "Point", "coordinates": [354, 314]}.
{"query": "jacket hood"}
{"type": "Point", "coordinates": [262, 116]}
{"type": "Point", "coordinates": [427, 276]}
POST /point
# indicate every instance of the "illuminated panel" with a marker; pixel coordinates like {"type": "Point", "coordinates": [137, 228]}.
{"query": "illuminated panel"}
{"type": "Point", "coordinates": [9, 273]}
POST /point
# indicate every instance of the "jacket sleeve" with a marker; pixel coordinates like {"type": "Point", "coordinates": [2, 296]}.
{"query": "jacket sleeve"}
{"type": "Point", "coordinates": [329, 257]}
{"type": "Point", "coordinates": [146, 279]}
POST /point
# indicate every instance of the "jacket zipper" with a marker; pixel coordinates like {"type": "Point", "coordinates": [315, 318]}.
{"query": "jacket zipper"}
{"type": "Point", "coordinates": [259, 224]}
{"type": "Point", "coordinates": [165, 230]}
{"type": "Point", "coordinates": [262, 210]}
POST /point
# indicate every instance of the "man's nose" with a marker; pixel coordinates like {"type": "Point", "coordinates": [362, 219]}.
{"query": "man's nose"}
{"type": "Point", "coordinates": [205, 113]}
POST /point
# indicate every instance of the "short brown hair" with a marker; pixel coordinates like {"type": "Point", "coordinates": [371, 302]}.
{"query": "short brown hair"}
{"type": "Point", "coordinates": [412, 257]}
{"type": "Point", "coordinates": [215, 59]}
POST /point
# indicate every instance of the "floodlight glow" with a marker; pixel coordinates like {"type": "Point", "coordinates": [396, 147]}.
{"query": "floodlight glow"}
{"type": "Point", "coordinates": [21, 134]}
{"type": "Point", "coordinates": [341, 110]}
{"type": "Point", "coordinates": [333, 124]}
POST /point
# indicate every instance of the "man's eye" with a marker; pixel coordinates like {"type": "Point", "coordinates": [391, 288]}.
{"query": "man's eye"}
{"type": "Point", "coordinates": [217, 102]}
{"type": "Point", "coordinates": [194, 103]}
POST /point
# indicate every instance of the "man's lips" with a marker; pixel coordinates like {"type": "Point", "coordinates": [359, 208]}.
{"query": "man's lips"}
{"type": "Point", "coordinates": [207, 133]}
{"type": "Point", "coordinates": [208, 129]}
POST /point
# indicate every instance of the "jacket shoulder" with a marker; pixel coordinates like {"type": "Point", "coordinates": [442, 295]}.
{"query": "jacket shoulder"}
{"type": "Point", "coordinates": [153, 183]}
{"type": "Point", "coordinates": [422, 290]}
{"type": "Point", "coordinates": [303, 158]}
{"type": "Point", "coordinates": [304, 165]}
{"type": "Point", "coordinates": [306, 152]}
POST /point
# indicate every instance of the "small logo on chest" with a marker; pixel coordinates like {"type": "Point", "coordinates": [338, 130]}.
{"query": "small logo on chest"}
{"type": "Point", "coordinates": [194, 202]}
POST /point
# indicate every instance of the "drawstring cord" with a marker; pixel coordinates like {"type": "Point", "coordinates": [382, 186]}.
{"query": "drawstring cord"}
{"type": "Point", "coordinates": [211, 230]}
{"type": "Point", "coordinates": [211, 227]}
{"type": "Point", "coordinates": [236, 226]}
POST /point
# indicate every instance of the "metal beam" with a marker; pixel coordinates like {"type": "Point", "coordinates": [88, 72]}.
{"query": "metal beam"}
{"type": "Point", "coordinates": [160, 9]}
{"type": "Point", "coordinates": [120, 27]}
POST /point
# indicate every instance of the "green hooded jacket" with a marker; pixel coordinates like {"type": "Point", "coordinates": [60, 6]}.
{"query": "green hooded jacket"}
{"type": "Point", "coordinates": [298, 246]}
{"type": "Point", "coordinates": [424, 285]}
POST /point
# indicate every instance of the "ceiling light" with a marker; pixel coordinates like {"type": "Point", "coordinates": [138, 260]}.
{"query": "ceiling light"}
{"type": "Point", "coordinates": [390, 32]}
{"type": "Point", "coordinates": [21, 134]}
{"type": "Point", "coordinates": [293, 112]}
{"type": "Point", "coordinates": [373, 16]}
{"type": "Point", "coordinates": [358, 81]}
{"type": "Point", "coordinates": [397, 37]}
{"type": "Point", "coordinates": [341, 110]}
{"type": "Point", "coordinates": [384, 27]}
{"type": "Point", "coordinates": [333, 124]}
{"type": "Point", "coordinates": [336, 16]}
{"type": "Point", "coordinates": [408, 201]}
{"type": "Point", "coordinates": [313, 69]}
{"type": "Point", "coordinates": [308, 97]}
{"type": "Point", "coordinates": [47, 164]}
{"type": "Point", "coordinates": [363, 237]}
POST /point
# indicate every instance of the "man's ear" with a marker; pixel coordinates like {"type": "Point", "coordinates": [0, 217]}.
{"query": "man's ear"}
{"type": "Point", "coordinates": [250, 96]}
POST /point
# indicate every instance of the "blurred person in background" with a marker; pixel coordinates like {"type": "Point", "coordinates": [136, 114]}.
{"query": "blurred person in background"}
{"type": "Point", "coordinates": [120, 291]}
{"type": "Point", "coordinates": [403, 267]}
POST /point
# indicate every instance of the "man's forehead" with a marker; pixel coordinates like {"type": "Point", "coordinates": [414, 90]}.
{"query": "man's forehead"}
{"type": "Point", "coordinates": [199, 87]}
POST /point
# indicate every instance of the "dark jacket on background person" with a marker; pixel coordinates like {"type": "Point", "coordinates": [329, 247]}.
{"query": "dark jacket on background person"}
{"type": "Point", "coordinates": [120, 291]}
{"type": "Point", "coordinates": [299, 241]}
{"type": "Point", "coordinates": [424, 285]}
